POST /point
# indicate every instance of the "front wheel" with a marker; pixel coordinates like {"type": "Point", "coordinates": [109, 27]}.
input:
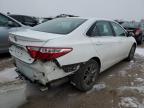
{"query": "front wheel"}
{"type": "Point", "coordinates": [131, 53]}
{"type": "Point", "coordinates": [85, 77]}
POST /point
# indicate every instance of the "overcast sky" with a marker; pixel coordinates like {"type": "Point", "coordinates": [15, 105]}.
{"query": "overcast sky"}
{"type": "Point", "coordinates": [113, 9]}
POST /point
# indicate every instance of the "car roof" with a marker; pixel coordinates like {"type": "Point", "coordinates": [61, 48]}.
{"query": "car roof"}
{"type": "Point", "coordinates": [91, 18]}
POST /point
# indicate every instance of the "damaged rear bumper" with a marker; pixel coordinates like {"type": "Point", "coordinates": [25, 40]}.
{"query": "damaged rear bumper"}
{"type": "Point", "coordinates": [42, 72]}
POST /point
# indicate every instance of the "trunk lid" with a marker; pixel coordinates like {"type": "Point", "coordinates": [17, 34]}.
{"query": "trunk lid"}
{"type": "Point", "coordinates": [24, 38]}
{"type": "Point", "coordinates": [31, 37]}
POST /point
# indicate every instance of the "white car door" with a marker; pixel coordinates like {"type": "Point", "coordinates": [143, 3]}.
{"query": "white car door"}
{"type": "Point", "coordinates": [105, 43]}
{"type": "Point", "coordinates": [125, 41]}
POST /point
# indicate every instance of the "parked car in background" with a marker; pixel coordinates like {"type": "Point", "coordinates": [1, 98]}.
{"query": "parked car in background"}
{"type": "Point", "coordinates": [137, 30]}
{"type": "Point", "coordinates": [7, 24]}
{"type": "Point", "coordinates": [65, 16]}
{"type": "Point", "coordinates": [142, 25]}
{"type": "Point", "coordinates": [58, 16]}
{"type": "Point", "coordinates": [26, 20]}
{"type": "Point", "coordinates": [142, 28]}
{"type": "Point", "coordinates": [120, 21]}
{"type": "Point", "coordinates": [79, 48]}
{"type": "Point", "coordinates": [46, 19]}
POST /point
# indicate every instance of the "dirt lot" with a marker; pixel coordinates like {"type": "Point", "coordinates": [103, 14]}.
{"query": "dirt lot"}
{"type": "Point", "coordinates": [121, 86]}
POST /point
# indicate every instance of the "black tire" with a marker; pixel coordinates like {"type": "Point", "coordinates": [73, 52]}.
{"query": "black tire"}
{"type": "Point", "coordinates": [131, 53]}
{"type": "Point", "coordinates": [85, 77]}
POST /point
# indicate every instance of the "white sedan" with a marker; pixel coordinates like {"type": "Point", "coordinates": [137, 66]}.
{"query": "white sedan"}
{"type": "Point", "coordinates": [79, 48]}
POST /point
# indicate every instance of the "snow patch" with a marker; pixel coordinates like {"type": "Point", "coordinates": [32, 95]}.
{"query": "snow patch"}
{"type": "Point", "coordinates": [97, 87]}
{"type": "Point", "coordinates": [12, 90]}
{"type": "Point", "coordinates": [132, 83]}
{"type": "Point", "coordinates": [139, 80]}
{"type": "Point", "coordinates": [131, 64]}
{"type": "Point", "coordinates": [139, 89]}
{"type": "Point", "coordinates": [8, 75]}
{"type": "Point", "coordinates": [128, 102]}
{"type": "Point", "coordinates": [12, 95]}
{"type": "Point", "coordinates": [140, 51]}
{"type": "Point", "coordinates": [110, 75]}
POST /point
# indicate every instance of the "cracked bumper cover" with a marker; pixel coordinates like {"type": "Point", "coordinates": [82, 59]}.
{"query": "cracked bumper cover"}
{"type": "Point", "coordinates": [41, 72]}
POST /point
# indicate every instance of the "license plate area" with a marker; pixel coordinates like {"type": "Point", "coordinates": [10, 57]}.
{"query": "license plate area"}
{"type": "Point", "coordinates": [21, 53]}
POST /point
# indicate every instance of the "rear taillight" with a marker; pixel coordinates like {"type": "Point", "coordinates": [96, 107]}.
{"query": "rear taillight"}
{"type": "Point", "coordinates": [47, 53]}
{"type": "Point", "coordinates": [138, 32]}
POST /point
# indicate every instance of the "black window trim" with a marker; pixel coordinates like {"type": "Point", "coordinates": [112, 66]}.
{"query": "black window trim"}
{"type": "Point", "coordinates": [92, 28]}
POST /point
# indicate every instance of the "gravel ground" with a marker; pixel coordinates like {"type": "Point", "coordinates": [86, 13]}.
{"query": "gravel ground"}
{"type": "Point", "coordinates": [121, 86]}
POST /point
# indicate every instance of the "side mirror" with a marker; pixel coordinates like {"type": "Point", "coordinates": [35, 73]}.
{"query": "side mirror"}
{"type": "Point", "coordinates": [129, 34]}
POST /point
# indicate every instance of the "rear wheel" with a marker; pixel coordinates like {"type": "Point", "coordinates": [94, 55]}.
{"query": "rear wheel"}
{"type": "Point", "coordinates": [85, 78]}
{"type": "Point", "coordinates": [131, 53]}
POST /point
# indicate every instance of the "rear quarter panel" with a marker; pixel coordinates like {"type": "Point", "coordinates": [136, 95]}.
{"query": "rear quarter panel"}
{"type": "Point", "coordinates": [81, 45]}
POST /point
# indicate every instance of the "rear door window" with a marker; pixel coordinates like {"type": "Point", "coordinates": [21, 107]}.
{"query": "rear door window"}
{"type": "Point", "coordinates": [104, 28]}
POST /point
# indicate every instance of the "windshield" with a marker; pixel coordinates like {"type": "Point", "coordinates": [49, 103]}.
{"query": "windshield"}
{"type": "Point", "coordinates": [59, 25]}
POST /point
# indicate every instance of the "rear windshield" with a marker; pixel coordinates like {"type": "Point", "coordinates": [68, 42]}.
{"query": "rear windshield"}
{"type": "Point", "coordinates": [59, 25]}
